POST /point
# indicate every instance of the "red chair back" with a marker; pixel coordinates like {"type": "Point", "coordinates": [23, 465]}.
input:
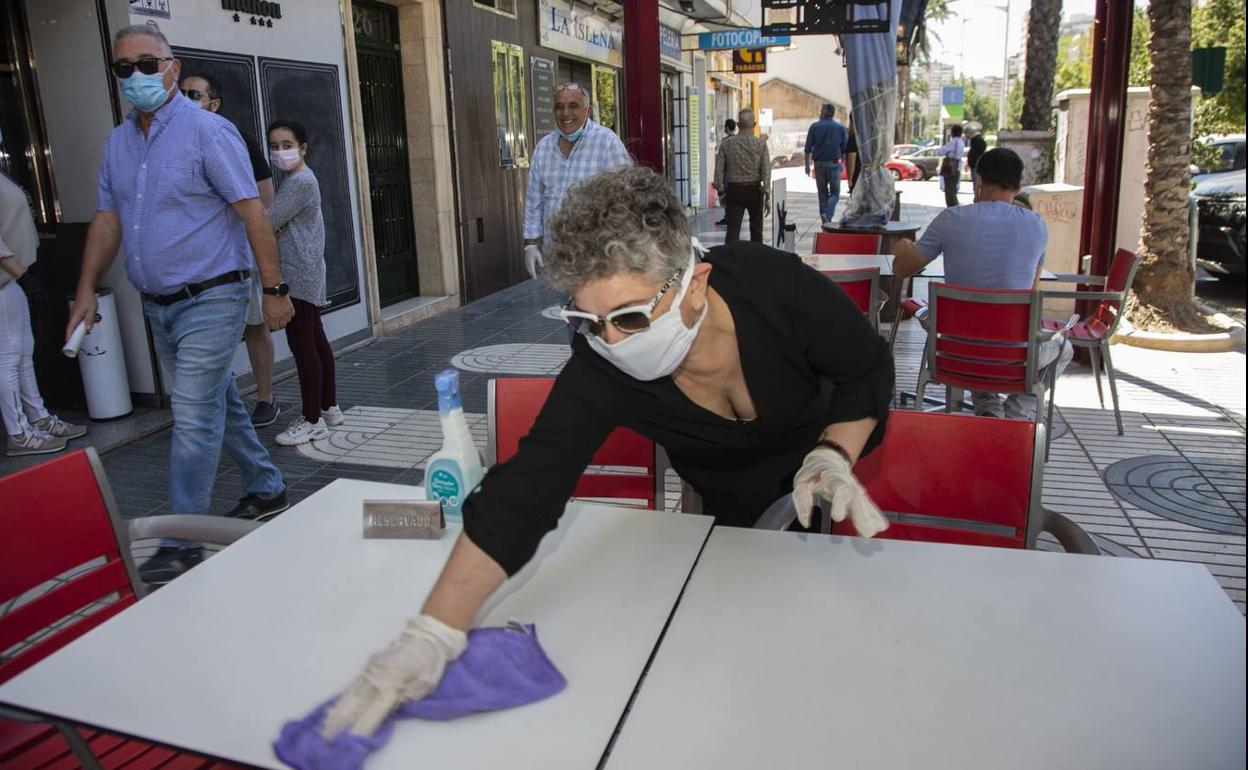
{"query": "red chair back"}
{"type": "Point", "coordinates": [623, 468]}
{"type": "Point", "coordinates": [55, 518]}
{"type": "Point", "coordinates": [981, 340]}
{"type": "Point", "coordinates": [847, 243]}
{"type": "Point", "coordinates": [1121, 273]}
{"type": "Point", "coordinates": [954, 478]}
{"type": "Point", "coordinates": [862, 286]}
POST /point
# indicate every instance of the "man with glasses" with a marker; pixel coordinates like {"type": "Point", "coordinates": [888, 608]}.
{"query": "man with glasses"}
{"type": "Point", "coordinates": [177, 192]}
{"type": "Point", "coordinates": [577, 149]}
{"type": "Point", "coordinates": [204, 91]}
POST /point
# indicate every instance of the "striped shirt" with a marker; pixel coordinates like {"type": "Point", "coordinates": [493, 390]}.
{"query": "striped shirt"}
{"type": "Point", "coordinates": [742, 159]}
{"type": "Point", "coordinates": [172, 191]}
{"type": "Point", "coordinates": [551, 174]}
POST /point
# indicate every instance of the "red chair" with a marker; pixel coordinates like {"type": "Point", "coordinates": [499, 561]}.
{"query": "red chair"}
{"type": "Point", "coordinates": [863, 287]}
{"type": "Point", "coordinates": [627, 467]}
{"type": "Point", "coordinates": [983, 340]}
{"type": "Point", "coordinates": [1095, 333]}
{"type": "Point", "coordinates": [847, 243]}
{"type": "Point", "coordinates": [949, 478]}
{"type": "Point", "coordinates": [60, 533]}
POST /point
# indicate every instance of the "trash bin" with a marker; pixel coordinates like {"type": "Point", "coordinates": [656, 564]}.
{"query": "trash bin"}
{"type": "Point", "coordinates": [103, 364]}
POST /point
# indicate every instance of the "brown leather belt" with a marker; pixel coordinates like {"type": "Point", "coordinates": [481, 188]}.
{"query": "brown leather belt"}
{"type": "Point", "coordinates": [194, 289]}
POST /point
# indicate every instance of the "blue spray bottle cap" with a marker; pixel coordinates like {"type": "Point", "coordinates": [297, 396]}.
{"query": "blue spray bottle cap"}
{"type": "Point", "coordinates": [447, 383]}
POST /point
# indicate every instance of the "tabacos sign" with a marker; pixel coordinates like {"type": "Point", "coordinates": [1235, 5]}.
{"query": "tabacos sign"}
{"type": "Point", "coordinates": [565, 28]}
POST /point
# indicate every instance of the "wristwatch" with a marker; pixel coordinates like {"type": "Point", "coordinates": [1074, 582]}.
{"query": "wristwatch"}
{"type": "Point", "coordinates": [280, 290]}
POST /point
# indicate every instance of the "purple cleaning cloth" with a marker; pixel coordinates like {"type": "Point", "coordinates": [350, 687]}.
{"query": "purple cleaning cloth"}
{"type": "Point", "coordinates": [501, 668]}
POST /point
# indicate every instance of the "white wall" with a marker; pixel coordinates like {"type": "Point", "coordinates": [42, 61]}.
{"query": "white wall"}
{"type": "Point", "coordinates": [1072, 146]}
{"type": "Point", "coordinates": [813, 64]}
{"type": "Point", "coordinates": [310, 30]}
{"type": "Point", "coordinates": [74, 92]}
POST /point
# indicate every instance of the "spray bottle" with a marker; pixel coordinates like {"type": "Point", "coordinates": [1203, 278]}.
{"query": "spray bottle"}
{"type": "Point", "coordinates": [454, 470]}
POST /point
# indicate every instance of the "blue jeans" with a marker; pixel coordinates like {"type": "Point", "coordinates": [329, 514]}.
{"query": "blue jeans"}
{"type": "Point", "coordinates": [828, 186]}
{"type": "Point", "coordinates": [195, 340]}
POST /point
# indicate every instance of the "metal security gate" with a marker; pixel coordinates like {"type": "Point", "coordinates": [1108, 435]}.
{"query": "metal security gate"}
{"type": "Point", "coordinates": [385, 139]}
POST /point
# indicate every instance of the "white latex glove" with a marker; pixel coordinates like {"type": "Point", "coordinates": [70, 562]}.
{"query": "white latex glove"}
{"type": "Point", "coordinates": [408, 669]}
{"type": "Point", "coordinates": [826, 473]}
{"type": "Point", "coordinates": [533, 259]}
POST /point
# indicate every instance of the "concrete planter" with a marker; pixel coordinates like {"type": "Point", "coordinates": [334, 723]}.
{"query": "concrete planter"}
{"type": "Point", "coordinates": [1036, 150]}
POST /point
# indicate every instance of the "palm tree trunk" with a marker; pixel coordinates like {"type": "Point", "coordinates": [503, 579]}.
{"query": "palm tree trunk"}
{"type": "Point", "coordinates": [1042, 29]}
{"type": "Point", "coordinates": [902, 134]}
{"type": "Point", "coordinates": [1165, 282]}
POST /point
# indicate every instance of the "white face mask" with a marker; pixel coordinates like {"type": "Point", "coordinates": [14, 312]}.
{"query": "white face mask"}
{"type": "Point", "coordinates": [284, 159]}
{"type": "Point", "coordinates": [657, 351]}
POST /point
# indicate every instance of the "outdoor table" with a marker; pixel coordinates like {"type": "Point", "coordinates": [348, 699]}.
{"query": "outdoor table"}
{"type": "Point", "coordinates": [795, 650]}
{"type": "Point", "coordinates": [262, 632]}
{"type": "Point", "coordinates": [934, 269]}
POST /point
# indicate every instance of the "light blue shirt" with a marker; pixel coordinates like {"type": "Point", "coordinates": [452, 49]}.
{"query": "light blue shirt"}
{"type": "Point", "coordinates": [172, 191]}
{"type": "Point", "coordinates": [954, 148]}
{"type": "Point", "coordinates": [551, 174]}
{"type": "Point", "coordinates": [987, 245]}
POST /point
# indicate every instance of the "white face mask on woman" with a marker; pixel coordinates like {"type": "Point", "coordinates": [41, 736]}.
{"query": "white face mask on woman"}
{"type": "Point", "coordinates": [657, 351]}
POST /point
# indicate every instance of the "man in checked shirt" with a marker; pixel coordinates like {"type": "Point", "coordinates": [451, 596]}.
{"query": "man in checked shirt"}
{"type": "Point", "coordinates": [577, 149]}
{"type": "Point", "coordinates": [742, 173]}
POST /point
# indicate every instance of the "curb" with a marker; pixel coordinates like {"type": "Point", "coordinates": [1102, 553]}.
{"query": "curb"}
{"type": "Point", "coordinates": [1178, 342]}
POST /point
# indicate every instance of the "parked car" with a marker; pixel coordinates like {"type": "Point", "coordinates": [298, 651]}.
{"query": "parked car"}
{"type": "Point", "coordinates": [1231, 157]}
{"type": "Point", "coordinates": [1220, 206]}
{"type": "Point", "coordinates": [927, 159]}
{"type": "Point", "coordinates": [902, 150]}
{"type": "Point", "coordinates": [902, 170]}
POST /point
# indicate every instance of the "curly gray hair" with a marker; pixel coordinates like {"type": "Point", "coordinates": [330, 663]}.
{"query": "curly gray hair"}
{"type": "Point", "coordinates": [625, 220]}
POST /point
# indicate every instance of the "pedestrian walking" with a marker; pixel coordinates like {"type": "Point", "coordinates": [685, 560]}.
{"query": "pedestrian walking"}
{"type": "Point", "coordinates": [742, 173]}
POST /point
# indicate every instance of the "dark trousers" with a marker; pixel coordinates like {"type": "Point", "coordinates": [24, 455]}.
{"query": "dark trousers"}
{"type": "Point", "coordinates": [314, 360]}
{"type": "Point", "coordinates": [951, 187]}
{"type": "Point", "coordinates": [828, 187]}
{"type": "Point", "coordinates": [742, 197]}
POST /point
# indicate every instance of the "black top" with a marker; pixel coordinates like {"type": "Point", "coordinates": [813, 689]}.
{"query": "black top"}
{"type": "Point", "coordinates": [978, 148]}
{"type": "Point", "coordinates": [851, 145]}
{"type": "Point", "coordinates": [259, 161]}
{"type": "Point", "coordinates": [809, 357]}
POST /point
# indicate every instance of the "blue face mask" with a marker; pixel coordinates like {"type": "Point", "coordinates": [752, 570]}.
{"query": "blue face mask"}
{"type": "Point", "coordinates": [572, 137]}
{"type": "Point", "coordinates": [145, 92]}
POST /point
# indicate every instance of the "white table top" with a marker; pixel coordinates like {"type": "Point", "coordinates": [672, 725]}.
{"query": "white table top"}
{"type": "Point", "coordinates": [934, 269]}
{"type": "Point", "coordinates": [262, 632]}
{"type": "Point", "coordinates": [803, 651]}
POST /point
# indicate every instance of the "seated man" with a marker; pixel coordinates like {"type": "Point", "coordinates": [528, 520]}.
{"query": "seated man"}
{"type": "Point", "coordinates": [991, 244]}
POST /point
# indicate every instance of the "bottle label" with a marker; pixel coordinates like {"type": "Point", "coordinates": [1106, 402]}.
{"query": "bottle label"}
{"type": "Point", "coordinates": [444, 484]}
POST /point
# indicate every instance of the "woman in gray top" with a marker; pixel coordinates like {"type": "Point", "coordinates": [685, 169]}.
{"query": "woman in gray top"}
{"type": "Point", "coordinates": [296, 216]}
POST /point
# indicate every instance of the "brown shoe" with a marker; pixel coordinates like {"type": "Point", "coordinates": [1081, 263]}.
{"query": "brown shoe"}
{"type": "Point", "coordinates": [57, 428]}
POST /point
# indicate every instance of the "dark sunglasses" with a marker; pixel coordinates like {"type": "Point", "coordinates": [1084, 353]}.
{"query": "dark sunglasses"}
{"type": "Point", "coordinates": [629, 320]}
{"type": "Point", "coordinates": [148, 66]}
{"type": "Point", "coordinates": [196, 96]}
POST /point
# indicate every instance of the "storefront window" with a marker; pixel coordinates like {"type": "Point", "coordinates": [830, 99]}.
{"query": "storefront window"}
{"type": "Point", "coordinates": [606, 89]}
{"type": "Point", "coordinates": [506, 7]}
{"type": "Point", "coordinates": [510, 112]}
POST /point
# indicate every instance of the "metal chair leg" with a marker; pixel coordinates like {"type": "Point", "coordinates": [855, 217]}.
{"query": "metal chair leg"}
{"type": "Point", "coordinates": [1095, 355]}
{"type": "Point", "coordinates": [1113, 385]}
{"type": "Point", "coordinates": [1048, 426]}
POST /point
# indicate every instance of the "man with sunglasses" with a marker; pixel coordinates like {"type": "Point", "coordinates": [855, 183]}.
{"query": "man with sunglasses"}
{"type": "Point", "coordinates": [204, 91]}
{"type": "Point", "coordinates": [177, 192]}
{"type": "Point", "coordinates": [577, 149]}
{"type": "Point", "coordinates": [757, 374]}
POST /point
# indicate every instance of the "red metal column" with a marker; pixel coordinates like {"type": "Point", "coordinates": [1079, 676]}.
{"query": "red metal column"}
{"type": "Point", "coordinates": [1111, 55]}
{"type": "Point", "coordinates": [641, 82]}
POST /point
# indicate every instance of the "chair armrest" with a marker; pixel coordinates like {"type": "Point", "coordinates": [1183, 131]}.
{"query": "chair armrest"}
{"type": "Point", "coordinates": [1090, 280]}
{"type": "Point", "coordinates": [778, 516]}
{"type": "Point", "coordinates": [1110, 296]}
{"type": "Point", "coordinates": [1072, 537]}
{"type": "Point", "coordinates": [207, 529]}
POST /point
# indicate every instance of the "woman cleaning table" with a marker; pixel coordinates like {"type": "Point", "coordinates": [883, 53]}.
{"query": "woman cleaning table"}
{"type": "Point", "coordinates": [758, 376]}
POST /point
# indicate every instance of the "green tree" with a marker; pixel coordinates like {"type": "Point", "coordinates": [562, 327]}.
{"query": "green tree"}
{"type": "Point", "coordinates": [980, 107]}
{"type": "Point", "coordinates": [1221, 23]}
{"type": "Point", "coordinates": [1042, 28]}
{"type": "Point", "coordinates": [936, 11]}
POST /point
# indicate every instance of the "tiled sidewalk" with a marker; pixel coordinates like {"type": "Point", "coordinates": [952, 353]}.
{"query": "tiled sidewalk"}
{"type": "Point", "coordinates": [1187, 410]}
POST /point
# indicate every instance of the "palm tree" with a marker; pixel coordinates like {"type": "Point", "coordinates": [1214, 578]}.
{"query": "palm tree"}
{"type": "Point", "coordinates": [936, 10]}
{"type": "Point", "coordinates": [1042, 28]}
{"type": "Point", "coordinates": [1166, 279]}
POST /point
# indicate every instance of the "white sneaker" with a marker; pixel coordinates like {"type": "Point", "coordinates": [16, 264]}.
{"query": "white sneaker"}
{"type": "Point", "coordinates": [333, 416]}
{"type": "Point", "coordinates": [301, 432]}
